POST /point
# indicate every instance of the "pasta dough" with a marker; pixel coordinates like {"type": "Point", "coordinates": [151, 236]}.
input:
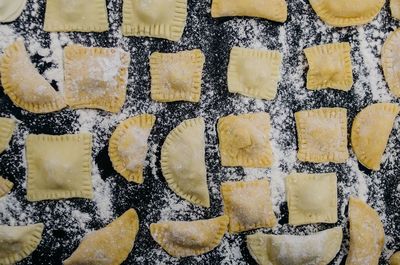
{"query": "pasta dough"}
{"type": "Point", "coordinates": [322, 135]}
{"type": "Point", "coordinates": [343, 13]}
{"type": "Point", "coordinates": [366, 234]}
{"type": "Point", "coordinates": [390, 62]}
{"type": "Point", "coordinates": [24, 85]}
{"type": "Point", "coordinates": [370, 133]}
{"type": "Point", "coordinates": [5, 187]}
{"type": "Point", "coordinates": [128, 146]}
{"type": "Point", "coordinates": [395, 259]}
{"type": "Point", "coordinates": [154, 18]}
{"type": "Point", "coordinates": [312, 198]}
{"type": "Point", "coordinates": [76, 15]}
{"type": "Point", "coordinates": [244, 140]}
{"type": "Point", "coordinates": [110, 245]}
{"type": "Point", "coordinates": [183, 239]}
{"type": "Point", "coordinates": [18, 242]}
{"type": "Point", "coordinates": [10, 10]}
{"type": "Point", "coordinates": [395, 8]}
{"type": "Point", "coordinates": [7, 128]}
{"type": "Point", "coordinates": [329, 66]}
{"type": "Point", "coordinates": [59, 166]}
{"type": "Point", "coordinates": [275, 10]}
{"type": "Point", "coordinates": [96, 77]}
{"type": "Point", "coordinates": [183, 162]}
{"type": "Point", "coordinates": [248, 205]}
{"type": "Point", "coordinates": [176, 76]}
{"type": "Point", "coordinates": [317, 249]}
{"type": "Point", "coordinates": [254, 73]}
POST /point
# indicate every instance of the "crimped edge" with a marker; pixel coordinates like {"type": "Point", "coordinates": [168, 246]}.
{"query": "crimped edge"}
{"type": "Point", "coordinates": [5, 186]}
{"type": "Point", "coordinates": [238, 55]}
{"type": "Point", "coordinates": [157, 231]}
{"type": "Point", "coordinates": [33, 194]}
{"type": "Point", "coordinates": [388, 62]}
{"type": "Point", "coordinates": [7, 128]}
{"type": "Point", "coordinates": [143, 121]}
{"type": "Point", "coordinates": [196, 57]}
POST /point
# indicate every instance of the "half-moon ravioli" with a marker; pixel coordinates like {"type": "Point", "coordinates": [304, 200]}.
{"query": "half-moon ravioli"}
{"type": "Point", "coordinates": [110, 245]}
{"type": "Point", "coordinates": [395, 259]}
{"type": "Point", "coordinates": [370, 133]}
{"type": "Point", "coordinates": [317, 249]}
{"type": "Point", "coordinates": [183, 162]}
{"type": "Point", "coordinates": [24, 85]}
{"type": "Point", "coordinates": [18, 242]}
{"type": "Point", "coordinates": [10, 10]}
{"type": "Point", "coordinates": [128, 146]}
{"type": "Point", "coordinates": [5, 186]}
{"type": "Point", "coordinates": [275, 10]}
{"type": "Point", "coordinates": [343, 13]}
{"type": "Point", "coordinates": [183, 239]}
{"type": "Point", "coordinates": [390, 61]}
{"type": "Point", "coordinates": [395, 8]}
{"type": "Point", "coordinates": [7, 127]}
{"type": "Point", "coordinates": [367, 236]}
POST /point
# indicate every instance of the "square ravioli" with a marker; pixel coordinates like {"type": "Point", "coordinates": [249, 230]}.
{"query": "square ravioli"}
{"type": "Point", "coordinates": [312, 198]}
{"type": "Point", "coordinates": [329, 66]}
{"type": "Point", "coordinates": [154, 18]}
{"type": "Point", "coordinates": [176, 76]}
{"type": "Point", "coordinates": [59, 166]}
{"type": "Point", "coordinates": [248, 205]}
{"type": "Point", "coordinates": [322, 135]}
{"type": "Point", "coordinates": [95, 77]}
{"type": "Point", "coordinates": [254, 73]}
{"type": "Point", "coordinates": [76, 15]}
{"type": "Point", "coordinates": [244, 140]}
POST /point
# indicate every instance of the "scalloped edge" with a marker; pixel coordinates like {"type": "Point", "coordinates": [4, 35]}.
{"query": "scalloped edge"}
{"type": "Point", "coordinates": [7, 128]}
{"type": "Point", "coordinates": [389, 47]}
{"type": "Point", "coordinates": [5, 186]}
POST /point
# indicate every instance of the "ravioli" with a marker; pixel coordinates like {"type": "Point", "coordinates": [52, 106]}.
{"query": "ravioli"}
{"type": "Point", "coordinates": [329, 66]}
{"type": "Point", "coordinates": [248, 205]}
{"type": "Point", "coordinates": [128, 146]}
{"type": "Point", "coordinates": [24, 85]}
{"type": "Point", "coordinates": [193, 238]}
{"type": "Point", "coordinates": [183, 162]}
{"type": "Point", "coordinates": [7, 128]}
{"type": "Point", "coordinates": [395, 259]}
{"type": "Point", "coordinates": [312, 198]}
{"type": "Point", "coordinates": [343, 13]}
{"type": "Point", "coordinates": [395, 8]}
{"type": "Point", "coordinates": [76, 15]}
{"type": "Point", "coordinates": [96, 77]}
{"type": "Point", "coordinates": [254, 73]}
{"type": "Point", "coordinates": [154, 18]}
{"type": "Point", "coordinates": [275, 10]}
{"type": "Point", "coordinates": [318, 249]}
{"type": "Point", "coordinates": [370, 133]}
{"type": "Point", "coordinates": [110, 245]}
{"type": "Point", "coordinates": [176, 76]}
{"type": "Point", "coordinates": [244, 140]}
{"type": "Point", "coordinates": [59, 167]}
{"type": "Point", "coordinates": [10, 10]}
{"type": "Point", "coordinates": [18, 242]}
{"type": "Point", "coordinates": [322, 135]}
{"type": "Point", "coordinates": [366, 234]}
{"type": "Point", "coordinates": [390, 62]}
{"type": "Point", "coordinates": [5, 186]}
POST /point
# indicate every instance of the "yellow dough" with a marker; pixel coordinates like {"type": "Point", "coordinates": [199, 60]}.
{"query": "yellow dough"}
{"type": "Point", "coordinates": [128, 146]}
{"type": "Point", "coordinates": [395, 8]}
{"type": "Point", "coordinates": [95, 77]}
{"type": "Point", "coordinates": [390, 62]}
{"type": "Point", "coordinates": [59, 166]}
{"type": "Point", "coordinates": [312, 198]}
{"type": "Point", "coordinates": [10, 10]}
{"type": "Point", "coordinates": [244, 140]}
{"type": "Point", "coordinates": [317, 249]}
{"type": "Point", "coordinates": [254, 73]}
{"type": "Point", "coordinates": [370, 133]}
{"type": "Point", "coordinates": [176, 76]}
{"type": "Point", "coordinates": [18, 242]}
{"type": "Point", "coordinates": [110, 245]}
{"type": "Point", "coordinates": [343, 13]}
{"type": "Point", "coordinates": [275, 10]}
{"type": "Point", "coordinates": [24, 85]}
{"type": "Point", "coordinates": [154, 18]}
{"type": "Point", "coordinates": [248, 205]}
{"type": "Point", "coordinates": [7, 128]}
{"type": "Point", "coordinates": [329, 66]}
{"type": "Point", "coordinates": [5, 187]}
{"type": "Point", "coordinates": [193, 238]}
{"type": "Point", "coordinates": [183, 162]}
{"type": "Point", "coordinates": [366, 234]}
{"type": "Point", "coordinates": [322, 135]}
{"type": "Point", "coordinates": [395, 259]}
{"type": "Point", "coordinates": [76, 15]}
